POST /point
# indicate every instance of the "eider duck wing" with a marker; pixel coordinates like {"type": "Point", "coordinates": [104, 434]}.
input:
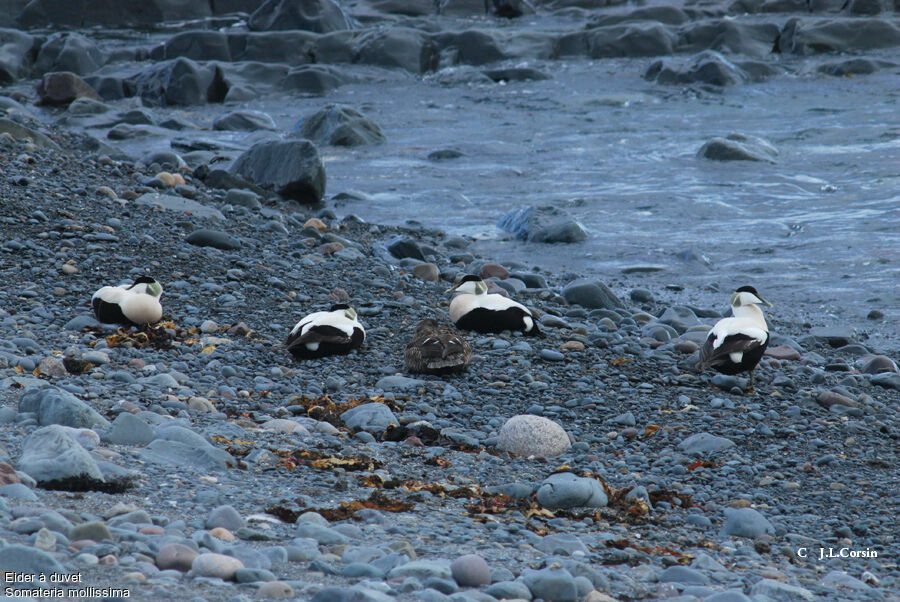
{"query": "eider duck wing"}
{"type": "Point", "coordinates": [321, 333]}
{"type": "Point", "coordinates": [722, 348]}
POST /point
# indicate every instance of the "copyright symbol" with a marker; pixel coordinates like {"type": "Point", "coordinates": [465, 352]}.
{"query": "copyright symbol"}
{"type": "Point", "coordinates": [803, 552]}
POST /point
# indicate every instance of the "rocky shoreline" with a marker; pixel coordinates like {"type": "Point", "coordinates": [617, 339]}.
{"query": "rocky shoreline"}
{"type": "Point", "coordinates": [199, 461]}
{"type": "Point", "coordinates": [343, 478]}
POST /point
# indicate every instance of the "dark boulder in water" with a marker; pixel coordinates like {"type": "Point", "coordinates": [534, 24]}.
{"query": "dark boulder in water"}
{"type": "Point", "coordinates": [340, 125]}
{"type": "Point", "coordinates": [802, 37]}
{"type": "Point", "coordinates": [738, 147]}
{"type": "Point", "coordinates": [112, 13]}
{"type": "Point", "coordinates": [543, 224]}
{"type": "Point", "coordinates": [292, 168]}
{"type": "Point", "coordinates": [69, 51]}
{"type": "Point", "coordinates": [178, 82]}
{"type": "Point", "coordinates": [707, 67]}
{"type": "Point", "coordinates": [403, 47]}
{"type": "Point", "coordinates": [320, 16]}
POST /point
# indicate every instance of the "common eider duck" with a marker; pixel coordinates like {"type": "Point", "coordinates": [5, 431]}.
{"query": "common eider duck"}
{"type": "Point", "coordinates": [737, 344]}
{"type": "Point", "coordinates": [477, 310]}
{"type": "Point", "coordinates": [129, 304]}
{"type": "Point", "coordinates": [332, 332]}
{"type": "Point", "coordinates": [436, 349]}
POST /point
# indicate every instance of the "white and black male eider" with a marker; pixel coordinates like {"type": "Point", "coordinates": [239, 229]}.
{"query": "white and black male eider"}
{"type": "Point", "coordinates": [436, 349]}
{"type": "Point", "coordinates": [332, 332]}
{"type": "Point", "coordinates": [737, 344]}
{"type": "Point", "coordinates": [136, 303]}
{"type": "Point", "coordinates": [477, 310]}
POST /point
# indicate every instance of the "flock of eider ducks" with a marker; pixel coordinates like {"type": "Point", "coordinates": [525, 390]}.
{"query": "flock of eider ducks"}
{"type": "Point", "coordinates": [734, 345]}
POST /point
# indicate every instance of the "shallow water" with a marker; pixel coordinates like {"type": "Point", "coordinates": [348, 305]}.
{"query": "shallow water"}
{"type": "Point", "coordinates": [820, 227]}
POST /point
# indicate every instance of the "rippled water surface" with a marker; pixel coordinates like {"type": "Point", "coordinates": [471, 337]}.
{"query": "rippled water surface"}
{"type": "Point", "coordinates": [819, 229]}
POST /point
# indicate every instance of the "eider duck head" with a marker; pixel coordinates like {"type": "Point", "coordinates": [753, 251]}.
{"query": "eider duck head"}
{"type": "Point", "coordinates": [745, 301]}
{"type": "Point", "coordinates": [146, 285]}
{"type": "Point", "coordinates": [349, 312]}
{"type": "Point", "coordinates": [470, 284]}
{"type": "Point", "coordinates": [427, 325]}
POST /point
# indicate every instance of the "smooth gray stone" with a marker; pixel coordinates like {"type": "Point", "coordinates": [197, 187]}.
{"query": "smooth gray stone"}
{"type": "Point", "coordinates": [561, 544]}
{"type": "Point", "coordinates": [509, 590]}
{"type": "Point", "coordinates": [370, 417]}
{"type": "Point", "coordinates": [567, 490]}
{"type": "Point", "coordinates": [339, 125]}
{"type": "Point", "coordinates": [398, 383]}
{"type": "Point", "coordinates": [225, 516]}
{"type": "Point", "coordinates": [746, 522]}
{"type": "Point", "coordinates": [57, 406]}
{"type": "Point", "coordinates": [213, 238]}
{"type": "Point", "coordinates": [323, 535]}
{"type": "Point", "coordinates": [553, 585]}
{"type": "Point", "coordinates": [543, 224]}
{"type": "Point", "coordinates": [783, 592]}
{"type": "Point", "coordinates": [18, 491]}
{"type": "Point", "coordinates": [683, 574]}
{"type": "Point", "coordinates": [704, 443]}
{"type": "Point", "coordinates": [30, 561]}
{"type": "Point", "coordinates": [50, 453]}
{"type": "Point", "coordinates": [356, 593]}
{"type": "Point", "coordinates": [178, 204]}
{"type": "Point", "coordinates": [422, 569]}
{"type": "Point", "coordinates": [177, 454]}
{"type": "Point", "coordinates": [128, 429]}
{"type": "Point", "coordinates": [592, 294]}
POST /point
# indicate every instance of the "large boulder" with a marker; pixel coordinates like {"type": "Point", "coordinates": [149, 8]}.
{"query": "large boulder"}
{"type": "Point", "coordinates": [51, 454]}
{"type": "Point", "coordinates": [315, 79]}
{"type": "Point", "coordinates": [61, 88]}
{"type": "Point", "coordinates": [57, 406]}
{"type": "Point", "coordinates": [179, 82]}
{"type": "Point", "coordinates": [728, 35]}
{"type": "Point", "coordinates": [528, 435]}
{"type": "Point", "coordinates": [838, 35]}
{"type": "Point", "coordinates": [738, 147]}
{"type": "Point", "coordinates": [17, 51]}
{"type": "Point", "coordinates": [646, 39]}
{"type": "Point", "coordinates": [195, 45]}
{"type": "Point", "coordinates": [69, 51]}
{"type": "Point", "coordinates": [591, 294]}
{"type": "Point", "coordinates": [707, 67]}
{"type": "Point", "coordinates": [543, 224]}
{"type": "Point", "coordinates": [403, 47]}
{"type": "Point", "coordinates": [111, 13]}
{"type": "Point", "coordinates": [339, 125]}
{"type": "Point", "coordinates": [320, 16]}
{"type": "Point", "coordinates": [292, 168]}
{"type": "Point", "coordinates": [244, 121]}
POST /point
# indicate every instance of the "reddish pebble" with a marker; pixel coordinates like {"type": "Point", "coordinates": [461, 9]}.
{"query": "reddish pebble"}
{"type": "Point", "coordinates": [8, 474]}
{"type": "Point", "coordinates": [783, 352]}
{"type": "Point", "coordinates": [330, 248]}
{"type": "Point", "coordinates": [413, 441]}
{"type": "Point", "coordinates": [176, 556]}
{"type": "Point", "coordinates": [494, 270]}
{"type": "Point", "coordinates": [152, 530]}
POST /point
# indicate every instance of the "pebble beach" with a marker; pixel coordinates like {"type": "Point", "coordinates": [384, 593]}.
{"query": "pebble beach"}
{"type": "Point", "coordinates": [198, 460]}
